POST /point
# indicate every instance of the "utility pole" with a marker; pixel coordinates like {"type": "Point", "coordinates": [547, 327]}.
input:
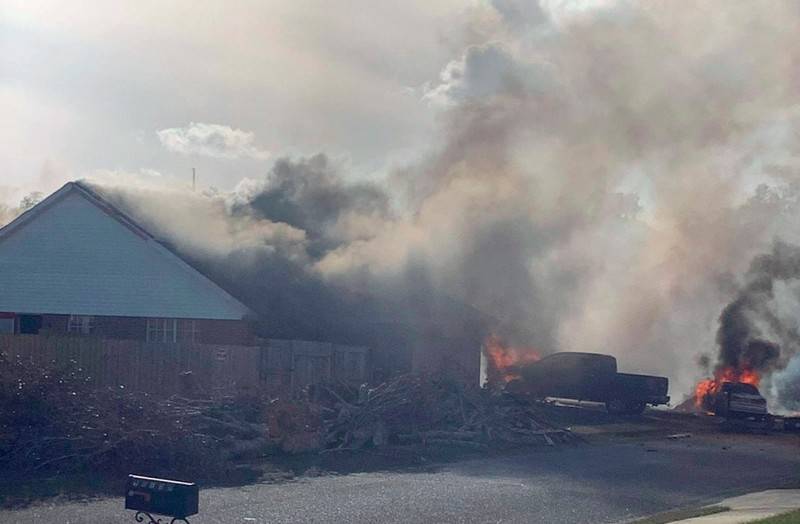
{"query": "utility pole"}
{"type": "Point", "coordinates": [194, 180]}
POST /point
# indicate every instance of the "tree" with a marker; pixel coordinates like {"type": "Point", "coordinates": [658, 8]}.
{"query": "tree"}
{"type": "Point", "coordinates": [30, 200]}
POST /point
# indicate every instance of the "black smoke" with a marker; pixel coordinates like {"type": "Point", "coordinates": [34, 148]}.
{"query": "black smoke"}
{"type": "Point", "coordinates": [281, 226]}
{"type": "Point", "coordinates": [754, 334]}
{"type": "Point", "coordinates": [741, 345]}
{"type": "Point", "coordinates": [310, 194]}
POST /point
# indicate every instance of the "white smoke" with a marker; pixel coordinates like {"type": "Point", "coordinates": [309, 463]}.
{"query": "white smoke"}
{"type": "Point", "coordinates": [603, 177]}
{"type": "Point", "coordinates": [786, 386]}
{"type": "Point", "coordinates": [596, 189]}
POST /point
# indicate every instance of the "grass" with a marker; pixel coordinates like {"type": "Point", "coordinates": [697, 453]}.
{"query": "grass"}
{"type": "Point", "coordinates": [793, 517]}
{"type": "Point", "coordinates": [682, 514]}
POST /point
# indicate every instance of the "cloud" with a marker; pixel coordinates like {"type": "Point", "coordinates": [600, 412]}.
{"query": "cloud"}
{"type": "Point", "coordinates": [341, 89]}
{"type": "Point", "coordinates": [212, 140]}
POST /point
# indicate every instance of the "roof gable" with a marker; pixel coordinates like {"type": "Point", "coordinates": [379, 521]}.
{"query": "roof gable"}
{"type": "Point", "coordinates": [74, 253]}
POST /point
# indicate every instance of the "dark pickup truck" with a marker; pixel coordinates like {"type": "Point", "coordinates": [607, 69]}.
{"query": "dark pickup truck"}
{"type": "Point", "coordinates": [592, 377]}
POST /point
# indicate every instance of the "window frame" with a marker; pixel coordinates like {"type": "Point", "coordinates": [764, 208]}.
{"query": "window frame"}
{"type": "Point", "coordinates": [81, 324]}
{"type": "Point", "coordinates": [171, 330]}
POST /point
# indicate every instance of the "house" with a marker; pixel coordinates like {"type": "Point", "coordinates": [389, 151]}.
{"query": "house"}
{"type": "Point", "coordinates": [75, 264]}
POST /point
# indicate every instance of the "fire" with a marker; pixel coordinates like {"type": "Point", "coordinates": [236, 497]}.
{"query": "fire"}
{"type": "Point", "coordinates": [505, 360]}
{"type": "Point", "coordinates": [710, 386]}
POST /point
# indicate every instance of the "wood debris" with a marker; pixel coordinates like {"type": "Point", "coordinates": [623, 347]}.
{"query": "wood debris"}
{"type": "Point", "coordinates": [414, 409]}
{"type": "Point", "coordinates": [57, 421]}
{"type": "Point", "coordinates": [54, 421]}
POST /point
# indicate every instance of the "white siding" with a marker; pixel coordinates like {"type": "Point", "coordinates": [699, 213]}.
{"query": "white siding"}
{"type": "Point", "coordinates": [73, 258]}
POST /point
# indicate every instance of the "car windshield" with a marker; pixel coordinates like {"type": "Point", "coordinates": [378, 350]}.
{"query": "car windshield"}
{"type": "Point", "coordinates": [743, 388]}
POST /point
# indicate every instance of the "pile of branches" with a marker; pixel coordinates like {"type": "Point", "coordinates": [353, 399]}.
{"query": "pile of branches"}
{"type": "Point", "coordinates": [58, 421]}
{"type": "Point", "coordinates": [411, 409]}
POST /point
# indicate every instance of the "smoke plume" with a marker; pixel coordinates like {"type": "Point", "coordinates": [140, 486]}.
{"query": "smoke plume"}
{"type": "Point", "coordinates": [263, 241]}
{"type": "Point", "coordinates": [754, 330]}
{"type": "Point", "coordinates": [594, 187]}
{"type": "Point", "coordinates": [786, 385]}
{"type": "Point", "coordinates": [601, 177]}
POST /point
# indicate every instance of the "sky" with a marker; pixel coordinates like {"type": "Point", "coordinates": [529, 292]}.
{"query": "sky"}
{"type": "Point", "coordinates": [156, 88]}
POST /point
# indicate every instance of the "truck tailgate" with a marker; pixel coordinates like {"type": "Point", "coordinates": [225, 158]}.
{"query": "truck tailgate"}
{"type": "Point", "coordinates": [650, 388]}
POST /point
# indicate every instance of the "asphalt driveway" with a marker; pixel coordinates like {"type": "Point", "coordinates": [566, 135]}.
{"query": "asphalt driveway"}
{"type": "Point", "coordinates": [598, 482]}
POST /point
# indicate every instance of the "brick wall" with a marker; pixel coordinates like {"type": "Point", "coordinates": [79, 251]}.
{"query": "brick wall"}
{"type": "Point", "coordinates": [207, 331]}
{"type": "Point", "coordinates": [225, 332]}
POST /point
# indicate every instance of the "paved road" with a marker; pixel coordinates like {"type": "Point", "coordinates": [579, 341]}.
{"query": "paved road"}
{"type": "Point", "coordinates": [598, 482]}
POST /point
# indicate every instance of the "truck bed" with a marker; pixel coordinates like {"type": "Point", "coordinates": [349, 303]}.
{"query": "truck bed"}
{"type": "Point", "coordinates": [650, 388]}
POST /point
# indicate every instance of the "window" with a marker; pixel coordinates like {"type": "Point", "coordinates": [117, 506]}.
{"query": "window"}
{"type": "Point", "coordinates": [7, 322]}
{"type": "Point", "coordinates": [30, 324]}
{"type": "Point", "coordinates": [82, 324]}
{"type": "Point", "coordinates": [6, 325]}
{"type": "Point", "coordinates": [171, 330]}
{"type": "Point", "coordinates": [160, 330]}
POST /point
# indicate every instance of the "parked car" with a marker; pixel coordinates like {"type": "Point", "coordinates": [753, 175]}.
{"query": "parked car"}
{"type": "Point", "coordinates": [590, 377]}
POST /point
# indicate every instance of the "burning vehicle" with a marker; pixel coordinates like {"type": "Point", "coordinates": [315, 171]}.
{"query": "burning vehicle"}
{"type": "Point", "coordinates": [587, 377]}
{"type": "Point", "coordinates": [737, 400]}
{"type": "Point", "coordinates": [732, 394]}
{"type": "Point", "coordinates": [755, 339]}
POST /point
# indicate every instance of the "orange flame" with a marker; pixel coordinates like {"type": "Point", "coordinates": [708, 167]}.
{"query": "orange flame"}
{"type": "Point", "coordinates": [710, 386]}
{"type": "Point", "coordinates": [505, 360]}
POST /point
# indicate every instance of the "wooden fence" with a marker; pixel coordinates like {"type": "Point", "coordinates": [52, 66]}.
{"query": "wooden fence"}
{"type": "Point", "coordinates": [295, 364]}
{"type": "Point", "coordinates": [161, 368]}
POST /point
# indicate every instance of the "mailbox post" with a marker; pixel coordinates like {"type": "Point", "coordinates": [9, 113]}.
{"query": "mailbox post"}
{"type": "Point", "coordinates": [170, 498]}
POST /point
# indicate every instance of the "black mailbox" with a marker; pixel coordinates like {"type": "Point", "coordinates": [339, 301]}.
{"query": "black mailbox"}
{"type": "Point", "coordinates": [172, 498]}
